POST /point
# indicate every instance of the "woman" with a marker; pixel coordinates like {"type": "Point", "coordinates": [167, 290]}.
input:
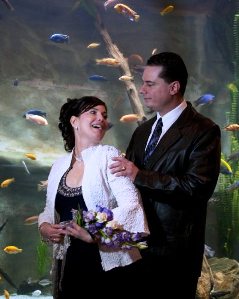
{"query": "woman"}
{"type": "Point", "coordinates": [82, 179]}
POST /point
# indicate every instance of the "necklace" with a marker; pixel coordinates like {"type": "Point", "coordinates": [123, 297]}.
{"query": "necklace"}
{"type": "Point", "coordinates": [79, 158]}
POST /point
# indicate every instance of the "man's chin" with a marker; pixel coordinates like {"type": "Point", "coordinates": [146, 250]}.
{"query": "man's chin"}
{"type": "Point", "coordinates": [148, 105]}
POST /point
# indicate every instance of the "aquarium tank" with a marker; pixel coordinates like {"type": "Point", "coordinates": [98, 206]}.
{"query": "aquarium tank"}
{"type": "Point", "coordinates": [53, 50]}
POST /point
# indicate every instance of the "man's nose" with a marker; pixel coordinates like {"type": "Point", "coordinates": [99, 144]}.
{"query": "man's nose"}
{"type": "Point", "coordinates": [142, 89]}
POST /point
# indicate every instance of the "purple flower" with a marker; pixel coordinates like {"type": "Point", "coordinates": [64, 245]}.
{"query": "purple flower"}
{"type": "Point", "coordinates": [100, 223]}
{"type": "Point", "coordinates": [88, 216]}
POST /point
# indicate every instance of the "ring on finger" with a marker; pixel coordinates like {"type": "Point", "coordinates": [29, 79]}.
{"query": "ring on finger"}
{"type": "Point", "coordinates": [123, 168]}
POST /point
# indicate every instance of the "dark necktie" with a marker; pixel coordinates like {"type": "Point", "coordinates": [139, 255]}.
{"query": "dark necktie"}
{"type": "Point", "coordinates": [153, 140]}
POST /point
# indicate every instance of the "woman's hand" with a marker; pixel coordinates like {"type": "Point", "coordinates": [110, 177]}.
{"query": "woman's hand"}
{"type": "Point", "coordinates": [77, 231]}
{"type": "Point", "coordinates": [52, 232]}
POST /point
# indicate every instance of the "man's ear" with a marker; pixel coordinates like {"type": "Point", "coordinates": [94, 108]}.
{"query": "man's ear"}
{"type": "Point", "coordinates": [174, 87]}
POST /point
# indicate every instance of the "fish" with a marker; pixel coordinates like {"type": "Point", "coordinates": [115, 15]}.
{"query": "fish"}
{"type": "Point", "coordinates": [25, 166]}
{"type": "Point", "coordinates": [213, 199]}
{"type": "Point", "coordinates": [208, 251]}
{"type": "Point", "coordinates": [224, 170]}
{"type": "Point", "coordinates": [109, 3]}
{"type": "Point", "coordinates": [31, 156]}
{"type": "Point", "coordinates": [93, 45]}
{"type": "Point", "coordinates": [226, 166]}
{"type": "Point", "coordinates": [166, 10]}
{"type": "Point", "coordinates": [218, 294]}
{"type": "Point", "coordinates": [42, 186]}
{"type": "Point", "coordinates": [12, 249]}
{"type": "Point", "coordinates": [44, 282]}
{"type": "Point", "coordinates": [232, 87]}
{"type": "Point", "coordinates": [97, 78]}
{"type": "Point", "coordinates": [15, 82]}
{"type": "Point", "coordinates": [31, 281]}
{"type": "Point", "coordinates": [127, 118]}
{"type": "Point", "coordinates": [7, 182]}
{"type": "Point", "coordinates": [232, 127]}
{"type": "Point", "coordinates": [108, 61]}
{"type": "Point", "coordinates": [2, 226]}
{"type": "Point", "coordinates": [154, 51]}
{"type": "Point", "coordinates": [206, 98]}
{"type": "Point", "coordinates": [233, 186]}
{"type": "Point", "coordinates": [234, 156]}
{"type": "Point", "coordinates": [138, 69]}
{"type": "Point", "coordinates": [135, 59]}
{"type": "Point", "coordinates": [31, 220]}
{"type": "Point", "coordinates": [37, 119]}
{"type": "Point", "coordinates": [126, 78]}
{"type": "Point", "coordinates": [36, 293]}
{"type": "Point", "coordinates": [59, 38]}
{"type": "Point", "coordinates": [6, 294]}
{"type": "Point", "coordinates": [127, 11]}
{"type": "Point", "coordinates": [110, 125]}
{"type": "Point", "coordinates": [35, 112]}
{"type": "Point", "coordinates": [8, 4]}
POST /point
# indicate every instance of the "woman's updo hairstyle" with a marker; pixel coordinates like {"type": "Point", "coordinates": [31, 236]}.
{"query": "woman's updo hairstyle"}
{"type": "Point", "coordinates": [74, 107]}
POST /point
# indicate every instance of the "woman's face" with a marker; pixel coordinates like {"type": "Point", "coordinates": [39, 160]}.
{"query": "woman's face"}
{"type": "Point", "coordinates": [92, 124]}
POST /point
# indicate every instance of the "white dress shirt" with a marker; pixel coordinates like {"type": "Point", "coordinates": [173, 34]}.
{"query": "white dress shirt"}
{"type": "Point", "coordinates": [168, 119]}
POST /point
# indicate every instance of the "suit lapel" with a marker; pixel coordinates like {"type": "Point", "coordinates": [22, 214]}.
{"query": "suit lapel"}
{"type": "Point", "coordinates": [169, 138]}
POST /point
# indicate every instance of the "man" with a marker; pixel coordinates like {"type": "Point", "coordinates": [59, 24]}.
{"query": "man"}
{"type": "Point", "coordinates": [175, 181]}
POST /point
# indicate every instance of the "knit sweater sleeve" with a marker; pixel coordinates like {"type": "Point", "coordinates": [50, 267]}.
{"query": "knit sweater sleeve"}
{"type": "Point", "coordinates": [129, 211]}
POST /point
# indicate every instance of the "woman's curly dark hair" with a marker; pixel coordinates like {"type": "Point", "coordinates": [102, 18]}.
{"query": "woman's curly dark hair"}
{"type": "Point", "coordinates": [74, 107]}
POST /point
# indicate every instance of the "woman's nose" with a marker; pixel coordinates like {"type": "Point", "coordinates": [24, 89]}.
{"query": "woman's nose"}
{"type": "Point", "coordinates": [100, 117]}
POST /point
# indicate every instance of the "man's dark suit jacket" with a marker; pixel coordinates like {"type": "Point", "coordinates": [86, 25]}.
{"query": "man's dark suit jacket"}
{"type": "Point", "coordinates": [177, 183]}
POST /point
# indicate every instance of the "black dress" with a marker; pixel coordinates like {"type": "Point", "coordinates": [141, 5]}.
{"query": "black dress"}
{"type": "Point", "coordinates": [82, 262]}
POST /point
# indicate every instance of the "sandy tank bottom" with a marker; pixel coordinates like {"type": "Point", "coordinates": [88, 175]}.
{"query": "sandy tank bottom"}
{"type": "Point", "coordinates": [13, 296]}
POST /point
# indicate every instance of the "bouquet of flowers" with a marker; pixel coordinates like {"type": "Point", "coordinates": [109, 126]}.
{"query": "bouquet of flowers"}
{"type": "Point", "coordinates": [100, 224]}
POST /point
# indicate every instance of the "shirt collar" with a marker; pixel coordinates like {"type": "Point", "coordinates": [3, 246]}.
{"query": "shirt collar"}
{"type": "Point", "coordinates": [170, 117]}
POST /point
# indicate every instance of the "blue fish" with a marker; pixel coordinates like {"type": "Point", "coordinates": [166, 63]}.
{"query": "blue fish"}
{"type": "Point", "coordinates": [35, 112]}
{"type": "Point", "coordinates": [206, 98]}
{"type": "Point", "coordinates": [233, 186]}
{"type": "Point", "coordinates": [208, 251]}
{"type": "Point", "coordinates": [97, 78]}
{"type": "Point", "coordinates": [2, 226]}
{"type": "Point", "coordinates": [234, 156]}
{"type": "Point", "coordinates": [15, 82]}
{"type": "Point", "coordinates": [218, 294]}
{"type": "Point", "coordinates": [110, 125]}
{"type": "Point", "coordinates": [59, 38]}
{"type": "Point", "coordinates": [139, 69]}
{"type": "Point", "coordinates": [8, 4]}
{"type": "Point", "coordinates": [225, 170]}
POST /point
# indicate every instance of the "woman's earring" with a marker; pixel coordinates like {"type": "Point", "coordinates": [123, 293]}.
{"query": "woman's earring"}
{"type": "Point", "coordinates": [76, 128]}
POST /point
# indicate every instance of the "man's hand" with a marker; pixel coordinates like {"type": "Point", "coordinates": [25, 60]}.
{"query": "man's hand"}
{"type": "Point", "coordinates": [123, 167]}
